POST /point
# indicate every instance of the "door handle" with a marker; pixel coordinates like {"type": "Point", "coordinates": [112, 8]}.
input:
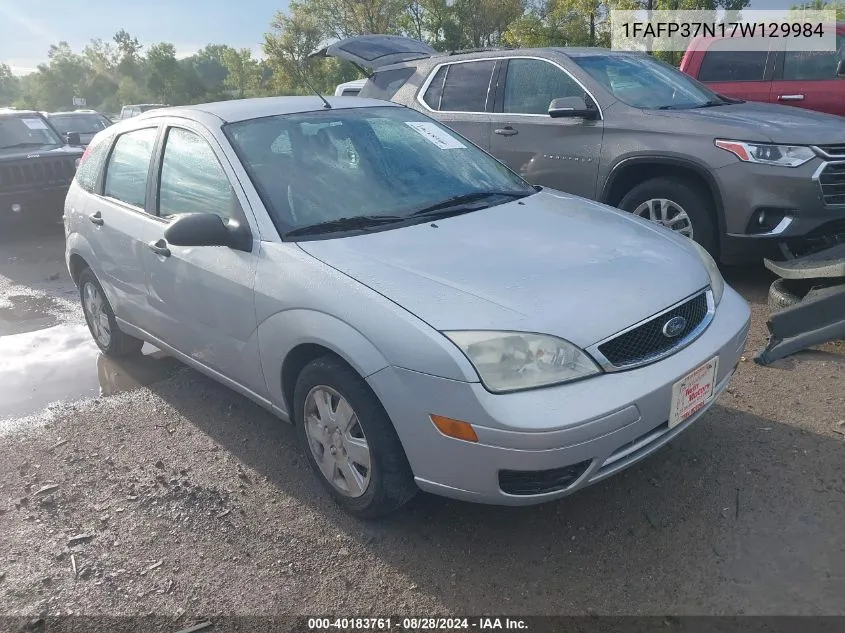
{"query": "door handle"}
{"type": "Point", "coordinates": [790, 97]}
{"type": "Point", "coordinates": [160, 248]}
{"type": "Point", "coordinates": [96, 218]}
{"type": "Point", "coordinates": [505, 131]}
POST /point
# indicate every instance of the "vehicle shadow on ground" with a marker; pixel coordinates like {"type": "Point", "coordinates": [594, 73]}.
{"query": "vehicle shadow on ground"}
{"type": "Point", "coordinates": [722, 520]}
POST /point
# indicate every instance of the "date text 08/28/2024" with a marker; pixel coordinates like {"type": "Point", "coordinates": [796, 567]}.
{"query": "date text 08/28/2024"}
{"type": "Point", "coordinates": [416, 624]}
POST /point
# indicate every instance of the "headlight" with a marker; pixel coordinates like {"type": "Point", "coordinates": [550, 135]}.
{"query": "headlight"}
{"type": "Point", "coordinates": [509, 361]}
{"type": "Point", "coordinates": [717, 282]}
{"type": "Point", "coordinates": [766, 154]}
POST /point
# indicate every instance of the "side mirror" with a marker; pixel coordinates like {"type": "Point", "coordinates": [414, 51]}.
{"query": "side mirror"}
{"type": "Point", "coordinates": [572, 107]}
{"type": "Point", "coordinates": [207, 229]}
{"type": "Point", "coordinates": [840, 69]}
{"type": "Point", "coordinates": [72, 138]}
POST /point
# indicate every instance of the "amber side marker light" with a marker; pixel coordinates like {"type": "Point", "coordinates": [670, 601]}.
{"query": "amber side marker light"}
{"type": "Point", "coordinates": [454, 428]}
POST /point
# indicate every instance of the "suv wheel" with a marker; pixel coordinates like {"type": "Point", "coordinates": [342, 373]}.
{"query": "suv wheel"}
{"type": "Point", "coordinates": [100, 319]}
{"type": "Point", "coordinates": [349, 440]}
{"type": "Point", "coordinates": [675, 205]}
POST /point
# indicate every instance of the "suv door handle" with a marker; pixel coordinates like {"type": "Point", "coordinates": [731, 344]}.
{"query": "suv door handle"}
{"type": "Point", "coordinates": [505, 131]}
{"type": "Point", "coordinates": [96, 218]}
{"type": "Point", "coordinates": [790, 97]}
{"type": "Point", "coordinates": [160, 248]}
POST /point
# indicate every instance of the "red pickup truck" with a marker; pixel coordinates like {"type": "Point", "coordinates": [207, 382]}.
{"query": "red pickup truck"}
{"type": "Point", "coordinates": [812, 80]}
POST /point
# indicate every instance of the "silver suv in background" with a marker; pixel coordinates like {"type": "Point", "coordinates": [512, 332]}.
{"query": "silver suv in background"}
{"type": "Point", "coordinates": [128, 111]}
{"type": "Point", "coordinates": [630, 131]}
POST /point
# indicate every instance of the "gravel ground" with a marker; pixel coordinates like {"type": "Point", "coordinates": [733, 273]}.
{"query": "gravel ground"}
{"type": "Point", "coordinates": [183, 499]}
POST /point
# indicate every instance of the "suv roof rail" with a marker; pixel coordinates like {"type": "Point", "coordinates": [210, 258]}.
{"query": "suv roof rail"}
{"type": "Point", "coordinates": [483, 49]}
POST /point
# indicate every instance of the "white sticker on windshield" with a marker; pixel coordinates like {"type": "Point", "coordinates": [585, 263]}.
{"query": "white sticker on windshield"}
{"type": "Point", "coordinates": [34, 124]}
{"type": "Point", "coordinates": [436, 135]}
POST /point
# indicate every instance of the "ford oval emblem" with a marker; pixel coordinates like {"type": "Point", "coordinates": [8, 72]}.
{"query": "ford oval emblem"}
{"type": "Point", "coordinates": [674, 326]}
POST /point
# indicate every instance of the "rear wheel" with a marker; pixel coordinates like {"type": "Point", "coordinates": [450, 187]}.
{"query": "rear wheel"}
{"type": "Point", "coordinates": [678, 206]}
{"type": "Point", "coordinates": [349, 440]}
{"type": "Point", "coordinates": [100, 319]}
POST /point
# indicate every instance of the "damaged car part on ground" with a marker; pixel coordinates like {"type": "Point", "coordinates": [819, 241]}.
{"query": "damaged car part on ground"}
{"type": "Point", "coordinates": [807, 303]}
{"type": "Point", "coordinates": [425, 317]}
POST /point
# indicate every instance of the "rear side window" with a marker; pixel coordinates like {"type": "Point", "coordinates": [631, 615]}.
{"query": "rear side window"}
{"type": "Point", "coordinates": [385, 84]}
{"type": "Point", "coordinates": [94, 157]}
{"type": "Point", "coordinates": [129, 165]}
{"type": "Point", "coordinates": [813, 65]}
{"type": "Point", "coordinates": [463, 87]}
{"type": "Point", "coordinates": [723, 65]}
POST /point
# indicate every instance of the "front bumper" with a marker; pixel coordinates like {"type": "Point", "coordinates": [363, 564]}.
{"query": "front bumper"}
{"type": "Point", "coordinates": [609, 421]}
{"type": "Point", "coordinates": [39, 202]}
{"type": "Point", "coordinates": [794, 197]}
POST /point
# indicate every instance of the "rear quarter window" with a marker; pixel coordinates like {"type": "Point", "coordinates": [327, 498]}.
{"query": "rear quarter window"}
{"type": "Point", "coordinates": [385, 84]}
{"type": "Point", "coordinates": [89, 169]}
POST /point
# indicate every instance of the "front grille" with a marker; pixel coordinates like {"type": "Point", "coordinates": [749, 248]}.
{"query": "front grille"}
{"type": "Point", "coordinates": [37, 174]}
{"type": "Point", "coordinates": [647, 341]}
{"type": "Point", "coordinates": [832, 181]}
{"type": "Point", "coordinates": [537, 482]}
{"type": "Point", "coordinates": [835, 151]}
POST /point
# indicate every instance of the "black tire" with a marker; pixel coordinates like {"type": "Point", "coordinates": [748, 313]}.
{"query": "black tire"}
{"type": "Point", "coordinates": [692, 199]}
{"type": "Point", "coordinates": [120, 345]}
{"type": "Point", "coordinates": [391, 482]}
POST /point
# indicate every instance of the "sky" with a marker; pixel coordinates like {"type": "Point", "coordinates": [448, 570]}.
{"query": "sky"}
{"type": "Point", "coordinates": [28, 27]}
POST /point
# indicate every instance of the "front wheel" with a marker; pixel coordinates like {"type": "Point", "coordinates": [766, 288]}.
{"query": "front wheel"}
{"type": "Point", "coordinates": [680, 207]}
{"type": "Point", "coordinates": [349, 440]}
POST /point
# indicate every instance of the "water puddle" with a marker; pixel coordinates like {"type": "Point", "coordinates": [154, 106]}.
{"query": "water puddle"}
{"type": "Point", "coordinates": [62, 363]}
{"type": "Point", "coordinates": [26, 313]}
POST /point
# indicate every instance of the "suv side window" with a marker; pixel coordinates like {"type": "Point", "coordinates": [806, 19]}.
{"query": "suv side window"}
{"type": "Point", "coordinates": [724, 65]}
{"type": "Point", "coordinates": [385, 84]}
{"type": "Point", "coordinates": [813, 65]}
{"type": "Point", "coordinates": [129, 165]}
{"type": "Point", "coordinates": [461, 87]}
{"type": "Point", "coordinates": [89, 169]}
{"type": "Point", "coordinates": [531, 84]}
{"type": "Point", "coordinates": [192, 180]}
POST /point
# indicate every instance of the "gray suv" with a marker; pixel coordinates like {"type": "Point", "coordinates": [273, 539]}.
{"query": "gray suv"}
{"type": "Point", "coordinates": [632, 132]}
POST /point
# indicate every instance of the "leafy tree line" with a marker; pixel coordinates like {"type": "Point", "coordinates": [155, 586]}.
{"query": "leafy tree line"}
{"type": "Point", "coordinates": [109, 74]}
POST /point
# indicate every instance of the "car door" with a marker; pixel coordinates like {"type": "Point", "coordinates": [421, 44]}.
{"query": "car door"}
{"type": "Point", "coordinates": [201, 297]}
{"type": "Point", "coordinates": [741, 74]}
{"type": "Point", "coordinates": [808, 79]}
{"type": "Point", "coordinates": [561, 153]}
{"type": "Point", "coordinates": [460, 94]}
{"type": "Point", "coordinates": [121, 223]}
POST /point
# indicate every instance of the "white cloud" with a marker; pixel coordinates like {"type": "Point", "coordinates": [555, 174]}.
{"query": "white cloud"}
{"type": "Point", "coordinates": [33, 26]}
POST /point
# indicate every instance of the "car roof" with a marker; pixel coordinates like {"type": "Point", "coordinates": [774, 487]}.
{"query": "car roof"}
{"type": "Point", "coordinates": [14, 111]}
{"type": "Point", "coordinates": [243, 109]}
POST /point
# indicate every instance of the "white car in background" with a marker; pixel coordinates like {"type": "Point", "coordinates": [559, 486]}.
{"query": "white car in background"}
{"type": "Point", "coordinates": [350, 88]}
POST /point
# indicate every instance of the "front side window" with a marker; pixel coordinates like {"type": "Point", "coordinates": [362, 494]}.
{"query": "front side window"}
{"type": "Point", "coordinates": [721, 65]}
{"type": "Point", "coordinates": [813, 65]}
{"type": "Point", "coordinates": [461, 87]}
{"type": "Point", "coordinates": [26, 131]}
{"type": "Point", "coordinates": [129, 165]}
{"type": "Point", "coordinates": [364, 162]}
{"type": "Point", "coordinates": [532, 84]}
{"type": "Point", "coordinates": [641, 81]}
{"type": "Point", "coordinates": [192, 180]}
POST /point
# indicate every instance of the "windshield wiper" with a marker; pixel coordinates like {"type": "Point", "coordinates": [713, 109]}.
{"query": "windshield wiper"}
{"type": "Point", "coordinates": [24, 144]}
{"type": "Point", "coordinates": [356, 223]}
{"type": "Point", "coordinates": [711, 103]}
{"type": "Point", "coordinates": [457, 204]}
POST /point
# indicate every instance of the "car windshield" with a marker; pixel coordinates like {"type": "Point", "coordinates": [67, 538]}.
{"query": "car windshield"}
{"type": "Point", "coordinates": [342, 168]}
{"type": "Point", "coordinates": [82, 123]}
{"type": "Point", "coordinates": [644, 82]}
{"type": "Point", "coordinates": [26, 131]}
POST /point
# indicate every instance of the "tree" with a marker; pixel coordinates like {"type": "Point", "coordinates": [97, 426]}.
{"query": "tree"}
{"type": "Point", "coordinates": [293, 37]}
{"type": "Point", "coordinates": [163, 72]}
{"type": "Point", "coordinates": [822, 5]}
{"type": "Point", "coordinates": [243, 72]}
{"type": "Point", "coordinates": [9, 86]}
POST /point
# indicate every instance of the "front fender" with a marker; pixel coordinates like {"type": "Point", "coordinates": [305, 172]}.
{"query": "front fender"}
{"type": "Point", "coordinates": [283, 331]}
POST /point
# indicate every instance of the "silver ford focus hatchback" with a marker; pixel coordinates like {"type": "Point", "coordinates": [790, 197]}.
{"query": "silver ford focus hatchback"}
{"type": "Point", "coordinates": [426, 318]}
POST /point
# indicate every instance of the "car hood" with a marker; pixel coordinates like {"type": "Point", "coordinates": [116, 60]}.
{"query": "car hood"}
{"type": "Point", "coordinates": [555, 264]}
{"type": "Point", "coordinates": [761, 122]}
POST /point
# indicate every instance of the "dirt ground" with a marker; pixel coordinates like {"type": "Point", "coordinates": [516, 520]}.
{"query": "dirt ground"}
{"type": "Point", "coordinates": [153, 490]}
